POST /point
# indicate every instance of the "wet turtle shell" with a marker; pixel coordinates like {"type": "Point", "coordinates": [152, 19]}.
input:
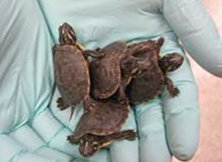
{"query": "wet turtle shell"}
{"type": "Point", "coordinates": [71, 69]}
{"type": "Point", "coordinates": [104, 119]}
{"type": "Point", "coordinates": [106, 72]}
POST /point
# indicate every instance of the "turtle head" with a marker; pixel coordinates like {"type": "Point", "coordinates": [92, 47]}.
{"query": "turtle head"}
{"type": "Point", "coordinates": [89, 145]}
{"type": "Point", "coordinates": [171, 62]}
{"type": "Point", "coordinates": [67, 35]}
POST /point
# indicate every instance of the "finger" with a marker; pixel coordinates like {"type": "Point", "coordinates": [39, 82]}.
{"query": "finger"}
{"type": "Point", "coordinates": [80, 160]}
{"type": "Point", "coordinates": [84, 160]}
{"type": "Point", "coordinates": [12, 150]}
{"type": "Point", "coordinates": [102, 155]}
{"type": "Point", "coordinates": [194, 26]}
{"type": "Point", "coordinates": [27, 157]}
{"type": "Point", "coordinates": [53, 154]}
{"type": "Point", "coordinates": [182, 114]}
{"type": "Point", "coordinates": [98, 157]}
{"type": "Point", "coordinates": [152, 141]}
{"type": "Point", "coordinates": [31, 141]}
{"type": "Point", "coordinates": [126, 150]}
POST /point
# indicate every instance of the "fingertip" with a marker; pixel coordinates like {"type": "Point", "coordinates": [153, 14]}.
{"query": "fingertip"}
{"type": "Point", "coordinates": [152, 141]}
{"type": "Point", "coordinates": [184, 153]}
{"type": "Point", "coordinates": [181, 114]}
{"type": "Point", "coordinates": [183, 133]}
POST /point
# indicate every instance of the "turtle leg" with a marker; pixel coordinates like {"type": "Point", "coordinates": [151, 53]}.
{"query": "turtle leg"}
{"type": "Point", "coordinates": [72, 139]}
{"type": "Point", "coordinates": [174, 91]}
{"type": "Point", "coordinates": [93, 53]}
{"type": "Point", "coordinates": [122, 98]}
{"type": "Point", "coordinates": [87, 104]}
{"type": "Point", "coordinates": [72, 111]}
{"type": "Point", "coordinates": [61, 104]}
{"type": "Point", "coordinates": [126, 134]}
{"type": "Point", "coordinates": [168, 63]}
{"type": "Point", "coordinates": [121, 135]}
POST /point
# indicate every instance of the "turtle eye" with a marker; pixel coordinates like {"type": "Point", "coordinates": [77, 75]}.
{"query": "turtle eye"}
{"type": "Point", "coordinates": [95, 145]}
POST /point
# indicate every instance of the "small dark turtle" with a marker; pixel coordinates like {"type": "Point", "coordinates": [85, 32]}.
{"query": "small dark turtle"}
{"type": "Point", "coordinates": [105, 72]}
{"type": "Point", "coordinates": [100, 126]}
{"type": "Point", "coordinates": [71, 70]}
{"type": "Point", "coordinates": [151, 84]}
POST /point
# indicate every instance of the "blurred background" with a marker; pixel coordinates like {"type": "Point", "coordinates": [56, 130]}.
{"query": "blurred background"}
{"type": "Point", "coordinates": [210, 89]}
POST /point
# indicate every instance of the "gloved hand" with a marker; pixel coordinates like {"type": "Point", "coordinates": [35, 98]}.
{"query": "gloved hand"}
{"type": "Point", "coordinates": [33, 129]}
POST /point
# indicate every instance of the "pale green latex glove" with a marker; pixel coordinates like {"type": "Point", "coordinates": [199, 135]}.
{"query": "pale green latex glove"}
{"type": "Point", "coordinates": [33, 129]}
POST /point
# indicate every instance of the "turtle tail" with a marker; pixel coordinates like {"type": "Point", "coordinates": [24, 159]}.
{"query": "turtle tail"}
{"type": "Point", "coordinates": [72, 111]}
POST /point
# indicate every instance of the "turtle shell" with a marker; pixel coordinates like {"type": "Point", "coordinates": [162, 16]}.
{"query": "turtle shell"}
{"type": "Point", "coordinates": [150, 84]}
{"type": "Point", "coordinates": [138, 49]}
{"type": "Point", "coordinates": [105, 72]}
{"type": "Point", "coordinates": [105, 118]}
{"type": "Point", "coordinates": [71, 74]}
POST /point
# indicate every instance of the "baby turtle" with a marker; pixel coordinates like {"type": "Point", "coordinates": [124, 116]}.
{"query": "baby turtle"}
{"type": "Point", "coordinates": [105, 72]}
{"type": "Point", "coordinates": [71, 70]}
{"type": "Point", "coordinates": [151, 84]}
{"type": "Point", "coordinates": [100, 127]}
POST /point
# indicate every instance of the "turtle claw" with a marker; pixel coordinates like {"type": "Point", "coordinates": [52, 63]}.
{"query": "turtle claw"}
{"type": "Point", "coordinates": [175, 92]}
{"type": "Point", "coordinates": [59, 99]}
{"type": "Point", "coordinates": [71, 139]}
{"type": "Point", "coordinates": [131, 135]}
{"type": "Point", "coordinates": [88, 104]}
{"type": "Point", "coordinates": [61, 104]}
